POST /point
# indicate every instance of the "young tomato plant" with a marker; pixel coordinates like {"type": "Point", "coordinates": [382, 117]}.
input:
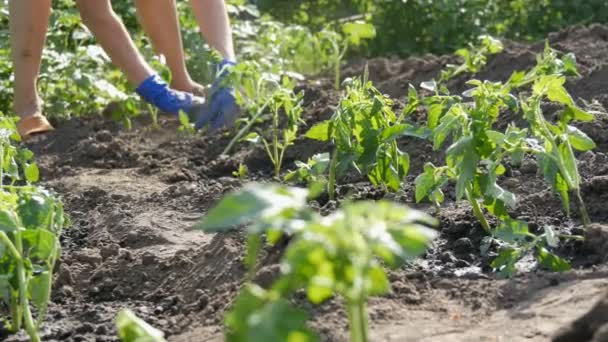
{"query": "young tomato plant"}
{"type": "Point", "coordinates": [474, 57]}
{"type": "Point", "coordinates": [313, 171]}
{"type": "Point", "coordinates": [557, 142]}
{"type": "Point", "coordinates": [255, 92]}
{"type": "Point", "coordinates": [31, 221]}
{"type": "Point", "coordinates": [474, 160]}
{"type": "Point", "coordinates": [338, 44]}
{"type": "Point", "coordinates": [282, 134]}
{"type": "Point", "coordinates": [340, 254]}
{"type": "Point", "coordinates": [363, 132]}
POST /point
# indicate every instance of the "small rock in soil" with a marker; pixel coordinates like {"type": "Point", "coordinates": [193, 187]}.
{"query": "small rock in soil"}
{"type": "Point", "coordinates": [462, 246]}
{"type": "Point", "coordinates": [104, 136]}
{"type": "Point", "coordinates": [101, 330]}
{"type": "Point", "coordinates": [148, 259]}
{"type": "Point", "coordinates": [457, 229]}
{"type": "Point", "coordinates": [109, 251]}
{"type": "Point", "coordinates": [528, 166]}
{"type": "Point", "coordinates": [65, 275]}
{"type": "Point", "coordinates": [85, 328]}
{"type": "Point", "coordinates": [89, 256]}
{"type": "Point", "coordinates": [596, 240]}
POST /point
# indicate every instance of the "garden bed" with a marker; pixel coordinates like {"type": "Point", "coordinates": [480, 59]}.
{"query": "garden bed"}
{"type": "Point", "coordinates": [133, 196]}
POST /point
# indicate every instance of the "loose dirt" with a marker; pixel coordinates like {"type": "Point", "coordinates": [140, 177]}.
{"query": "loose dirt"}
{"type": "Point", "coordinates": [133, 197]}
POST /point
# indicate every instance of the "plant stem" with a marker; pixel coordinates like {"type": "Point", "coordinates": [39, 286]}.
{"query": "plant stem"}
{"type": "Point", "coordinates": [275, 143]}
{"type": "Point", "coordinates": [477, 211]}
{"type": "Point", "coordinates": [30, 327]}
{"type": "Point", "coordinates": [357, 318]}
{"type": "Point", "coordinates": [337, 71]}
{"type": "Point", "coordinates": [15, 314]}
{"type": "Point", "coordinates": [331, 184]}
{"type": "Point", "coordinates": [246, 128]}
{"type": "Point", "coordinates": [582, 208]}
{"type": "Point", "coordinates": [1, 167]}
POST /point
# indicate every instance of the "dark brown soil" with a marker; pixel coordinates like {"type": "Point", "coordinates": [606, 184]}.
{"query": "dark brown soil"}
{"type": "Point", "coordinates": [133, 197]}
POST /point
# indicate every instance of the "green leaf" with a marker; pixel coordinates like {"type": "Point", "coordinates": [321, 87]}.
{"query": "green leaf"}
{"type": "Point", "coordinates": [552, 261]}
{"type": "Point", "coordinates": [319, 131]}
{"type": "Point", "coordinates": [40, 289]}
{"type": "Point", "coordinates": [425, 182]}
{"type": "Point", "coordinates": [434, 114]}
{"type": "Point", "coordinates": [254, 242]}
{"type": "Point", "coordinates": [32, 174]}
{"type": "Point", "coordinates": [253, 138]}
{"type": "Point", "coordinates": [512, 230]}
{"type": "Point", "coordinates": [570, 170]}
{"type": "Point", "coordinates": [553, 87]}
{"type": "Point", "coordinates": [378, 281]}
{"type": "Point", "coordinates": [257, 318]}
{"type": "Point", "coordinates": [184, 120]}
{"type": "Point", "coordinates": [552, 175]}
{"type": "Point", "coordinates": [449, 122]}
{"type": "Point", "coordinates": [42, 244]}
{"type": "Point", "coordinates": [579, 139]}
{"type": "Point", "coordinates": [578, 114]}
{"type": "Point", "coordinates": [505, 262]}
{"type": "Point", "coordinates": [9, 221]}
{"type": "Point", "coordinates": [551, 236]}
{"type": "Point", "coordinates": [356, 31]}
{"type": "Point", "coordinates": [252, 203]}
{"type": "Point", "coordinates": [133, 329]}
{"type": "Point", "coordinates": [429, 85]}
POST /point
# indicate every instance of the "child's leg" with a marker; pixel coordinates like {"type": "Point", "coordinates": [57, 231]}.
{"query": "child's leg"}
{"type": "Point", "coordinates": [160, 21]}
{"type": "Point", "coordinates": [111, 34]}
{"type": "Point", "coordinates": [28, 26]}
{"type": "Point", "coordinates": [213, 20]}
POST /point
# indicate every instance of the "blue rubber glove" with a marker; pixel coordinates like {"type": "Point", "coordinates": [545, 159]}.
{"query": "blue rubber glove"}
{"type": "Point", "coordinates": [221, 109]}
{"type": "Point", "coordinates": [156, 92]}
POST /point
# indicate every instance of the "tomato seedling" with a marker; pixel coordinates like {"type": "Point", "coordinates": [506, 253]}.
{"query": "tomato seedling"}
{"type": "Point", "coordinates": [362, 129]}
{"type": "Point", "coordinates": [31, 221]}
{"type": "Point", "coordinates": [283, 133]}
{"type": "Point", "coordinates": [339, 254]}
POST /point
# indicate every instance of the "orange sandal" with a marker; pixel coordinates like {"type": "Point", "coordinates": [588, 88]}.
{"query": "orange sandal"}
{"type": "Point", "coordinates": [34, 124]}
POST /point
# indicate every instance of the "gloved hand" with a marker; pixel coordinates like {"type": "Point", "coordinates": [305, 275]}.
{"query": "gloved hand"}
{"type": "Point", "coordinates": [156, 92]}
{"type": "Point", "coordinates": [221, 109]}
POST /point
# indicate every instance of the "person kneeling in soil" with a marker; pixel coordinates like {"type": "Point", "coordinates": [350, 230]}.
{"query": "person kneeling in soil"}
{"type": "Point", "coordinates": [28, 27]}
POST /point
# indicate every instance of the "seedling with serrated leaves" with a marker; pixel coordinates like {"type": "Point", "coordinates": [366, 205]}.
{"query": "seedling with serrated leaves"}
{"type": "Point", "coordinates": [474, 160]}
{"type": "Point", "coordinates": [313, 171]}
{"type": "Point", "coordinates": [283, 133]}
{"type": "Point", "coordinates": [339, 254]}
{"type": "Point", "coordinates": [556, 143]}
{"type": "Point", "coordinates": [354, 33]}
{"type": "Point", "coordinates": [242, 172]}
{"type": "Point", "coordinates": [363, 130]}
{"type": "Point", "coordinates": [31, 221]}
{"type": "Point", "coordinates": [256, 92]}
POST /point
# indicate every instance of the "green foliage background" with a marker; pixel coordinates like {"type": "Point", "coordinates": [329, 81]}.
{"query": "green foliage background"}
{"type": "Point", "coordinates": [274, 34]}
{"type": "Point", "coordinates": [439, 26]}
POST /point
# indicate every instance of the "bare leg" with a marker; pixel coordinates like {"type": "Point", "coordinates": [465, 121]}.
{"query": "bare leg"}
{"type": "Point", "coordinates": [213, 20]}
{"type": "Point", "coordinates": [28, 26]}
{"type": "Point", "coordinates": [109, 31]}
{"type": "Point", "coordinates": [160, 21]}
